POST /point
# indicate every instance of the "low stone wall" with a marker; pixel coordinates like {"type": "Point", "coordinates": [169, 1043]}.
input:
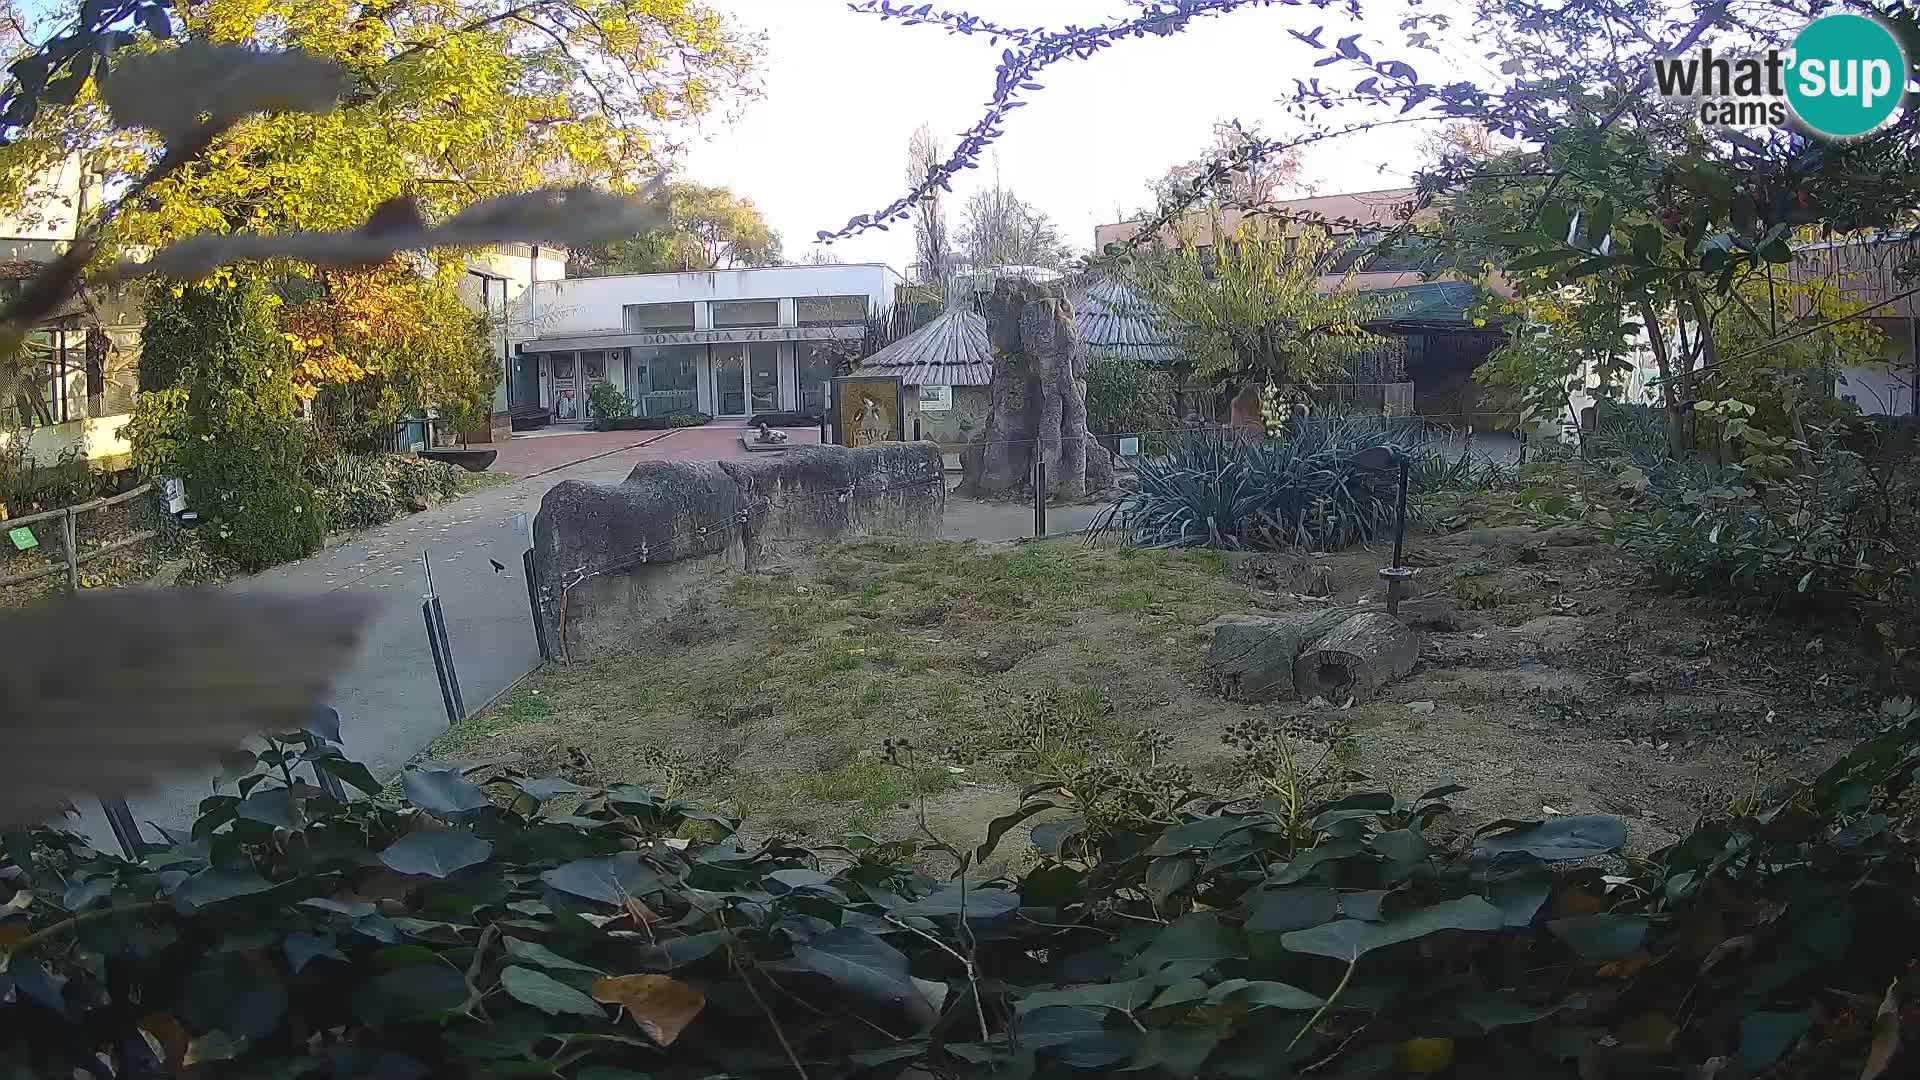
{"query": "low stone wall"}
{"type": "Point", "coordinates": [612, 559]}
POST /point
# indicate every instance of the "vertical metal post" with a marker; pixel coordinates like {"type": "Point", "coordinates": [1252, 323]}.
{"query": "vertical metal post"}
{"type": "Point", "coordinates": [71, 550]}
{"type": "Point", "coordinates": [916, 427]}
{"type": "Point", "coordinates": [1523, 447]}
{"type": "Point", "coordinates": [1400, 516]}
{"type": "Point", "coordinates": [446, 650]}
{"type": "Point", "coordinates": [436, 621]}
{"type": "Point", "coordinates": [533, 605]}
{"type": "Point", "coordinates": [439, 661]}
{"type": "Point", "coordinates": [120, 820]}
{"type": "Point", "coordinates": [1039, 491]}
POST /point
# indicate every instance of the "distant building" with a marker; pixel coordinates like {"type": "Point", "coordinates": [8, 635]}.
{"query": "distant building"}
{"type": "Point", "coordinates": [86, 354]}
{"type": "Point", "coordinates": [728, 343]}
{"type": "Point", "coordinates": [1870, 270]}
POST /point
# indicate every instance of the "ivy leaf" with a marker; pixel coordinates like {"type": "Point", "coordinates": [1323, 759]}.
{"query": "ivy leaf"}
{"type": "Point", "coordinates": [1601, 937]}
{"type": "Point", "coordinates": [1347, 939]}
{"type": "Point", "coordinates": [349, 771]}
{"type": "Point", "coordinates": [999, 827]}
{"type": "Point", "coordinates": [952, 900]}
{"type": "Point", "coordinates": [662, 1006]}
{"type": "Point", "coordinates": [610, 879]}
{"type": "Point", "coordinates": [1119, 996]}
{"type": "Point", "coordinates": [1766, 1036]}
{"type": "Point", "coordinates": [549, 995]}
{"type": "Point", "coordinates": [441, 791]}
{"type": "Point", "coordinates": [1167, 876]}
{"type": "Point", "coordinates": [1561, 838]}
{"type": "Point", "coordinates": [542, 789]}
{"type": "Point", "coordinates": [410, 993]}
{"type": "Point", "coordinates": [1279, 911]}
{"type": "Point", "coordinates": [864, 965]}
{"type": "Point", "coordinates": [229, 993]}
{"type": "Point", "coordinates": [1504, 1008]}
{"type": "Point", "coordinates": [211, 886]}
{"type": "Point", "coordinates": [531, 952]}
{"type": "Point", "coordinates": [435, 853]}
{"type": "Point", "coordinates": [1264, 995]}
{"type": "Point", "coordinates": [304, 948]}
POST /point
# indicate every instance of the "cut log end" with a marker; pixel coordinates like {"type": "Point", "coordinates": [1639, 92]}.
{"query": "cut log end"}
{"type": "Point", "coordinates": [1361, 654]}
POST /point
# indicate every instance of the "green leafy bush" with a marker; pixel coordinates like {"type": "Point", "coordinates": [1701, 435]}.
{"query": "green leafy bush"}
{"type": "Point", "coordinates": [156, 429]}
{"type": "Point", "coordinates": [361, 491]}
{"type": "Point", "coordinates": [1125, 396]}
{"type": "Point", "coordinates": [417, 482]}
{"type": "Point", "coordinates": [1298, 491]}
{"type": "Point", "coordinates": [649, 423]}
{"type": "Point", "coordinates": [532, 927]}
{"type": "Point", "coordinates": [28, 486]}
{"type": "Point", "coordinates": [605, 401]}
{"type": "Point", "coordinates": [242, 448]}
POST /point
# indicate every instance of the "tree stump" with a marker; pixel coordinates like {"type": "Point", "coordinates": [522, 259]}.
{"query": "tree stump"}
{"type": "Point", "coordinates": [1037, 401]}
{"type": "Point", "coordinates": [1363, 653]}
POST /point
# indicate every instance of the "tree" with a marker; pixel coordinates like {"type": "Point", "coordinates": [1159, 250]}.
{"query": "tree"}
{"type": "Point", "coordinates": [710, 228]}
{"type": "Point", "coordinates": [998, 228]}
{"type": "Point", "coordinates": [1254, 309]}
{"type": "Point", "coordinates": [448, 103]}
{"type": "Point", "coordinates": [1252, 179]}
{"type": "Point", "coordinates": [933, 256]}
{"type": "Point", "coordinates": [371, 346]}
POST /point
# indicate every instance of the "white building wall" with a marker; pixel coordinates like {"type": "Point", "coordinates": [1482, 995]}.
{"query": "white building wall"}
{"type": "Point", "coordinates": [595, 305]}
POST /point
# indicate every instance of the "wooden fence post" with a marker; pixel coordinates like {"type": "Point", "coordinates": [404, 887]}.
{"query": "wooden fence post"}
{"type": "Point", "coordinates": [71, 550]}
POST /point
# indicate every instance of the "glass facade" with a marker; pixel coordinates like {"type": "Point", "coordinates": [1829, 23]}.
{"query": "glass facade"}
{"type": "Point", "coordinates": [815, 366]}
{"type": "Point", "coordinates": [659, 318]}
{"type": "Point", "coordinates": [830, 310]}
{"type": "Point", "coordinates": [763, 377]}
{"type": "Point", "coordinates": [730, 380]}
{"type": "Point", "coordinates": [737, 314]}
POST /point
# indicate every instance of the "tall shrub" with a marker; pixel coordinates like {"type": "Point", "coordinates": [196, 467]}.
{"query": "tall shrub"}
{"type": "Point", "coordinates": [242, 444]}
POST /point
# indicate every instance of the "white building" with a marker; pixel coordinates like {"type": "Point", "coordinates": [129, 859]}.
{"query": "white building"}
{"type": "Point", "coordinates": [495, 281]}
{"type": "Point", "coordinates": [728, 343]}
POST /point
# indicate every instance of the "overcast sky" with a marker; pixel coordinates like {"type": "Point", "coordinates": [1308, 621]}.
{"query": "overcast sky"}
{"type": "Point", "coordinates": [845, 91]}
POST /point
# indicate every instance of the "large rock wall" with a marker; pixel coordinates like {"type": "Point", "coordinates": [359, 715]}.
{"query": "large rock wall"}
{"type": "Point", "coordinates": [612, 559]}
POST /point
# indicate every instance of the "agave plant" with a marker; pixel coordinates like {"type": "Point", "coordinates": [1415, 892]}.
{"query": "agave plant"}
{"type": "Point", "coordinates": [1302, 490]}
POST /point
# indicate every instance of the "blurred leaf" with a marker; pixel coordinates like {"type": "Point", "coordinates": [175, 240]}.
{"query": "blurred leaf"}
{"type": "Point", "coordinates": [442, 791]}
{"type": "Point", "coordinates": [169, 90]}
{"type": "Point", "coordinates": [1601, 937]}
{"type": "Point", "coordinates": [529, 952]}
{"type": "Point", "coordinates": [1560, 838]}
{"type": "Point", "coordinates": [609, 880]}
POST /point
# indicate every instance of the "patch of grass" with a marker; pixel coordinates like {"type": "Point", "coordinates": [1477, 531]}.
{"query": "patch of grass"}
{"type": "Point", "coordinates": [466, 483]}
{"type": "Point", "coordinates": [873, 784]}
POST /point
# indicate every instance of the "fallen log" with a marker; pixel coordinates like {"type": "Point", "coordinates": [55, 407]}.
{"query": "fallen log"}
{"type": "Point", "coordinates": [1364, 652]}
{"type": "Point", "coordinates": [1253, 655]}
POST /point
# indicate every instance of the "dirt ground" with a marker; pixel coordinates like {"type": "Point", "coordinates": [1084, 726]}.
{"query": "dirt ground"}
{"type": "Point", "coordinates": [1570, 687]}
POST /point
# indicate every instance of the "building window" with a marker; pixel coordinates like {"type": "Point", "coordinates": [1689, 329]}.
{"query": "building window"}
{"type": "Point", "coordinates": [831, 310]}
{"type": "Point", "coordinates": [736, 314]}
{"type": "Point", "coordinates": [666, 380]}
{"type": "Point", "coordinates": [659, 318]}
{"type": "Point", "coordinates": [816, 367]}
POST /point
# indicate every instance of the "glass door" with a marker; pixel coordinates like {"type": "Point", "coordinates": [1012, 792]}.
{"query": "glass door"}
{"type": "Point", "coordinates": [730, 379]}
{"type": "Point", "coordinates": [566, 388]}
{"type": "Point", "coordinates": [763, 377]}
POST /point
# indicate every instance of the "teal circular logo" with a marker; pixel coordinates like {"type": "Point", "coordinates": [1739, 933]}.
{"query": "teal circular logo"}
{"type": "Point", "coordinates": [1847, 75]}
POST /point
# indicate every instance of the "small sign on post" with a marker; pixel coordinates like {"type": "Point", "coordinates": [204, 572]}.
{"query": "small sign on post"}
{"type": "Point", "coordinates": [23, 539]}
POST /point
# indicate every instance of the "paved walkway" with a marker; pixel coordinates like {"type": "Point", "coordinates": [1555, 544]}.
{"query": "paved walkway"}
{"type": "Point", "coordinates": [389, 698]}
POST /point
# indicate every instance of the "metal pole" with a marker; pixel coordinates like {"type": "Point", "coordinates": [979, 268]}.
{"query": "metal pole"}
{"type": "Point", "coordinates": [70, 550]}
{"type": "Point", "coordinates": [1400, 516]}
{"type": "Point", "coordinates": [916, 427]}
{"type": "Point", "coordinates": [533, 605]}
{"type": "Point", "coordinates": [446, 649]}
{"type": "Point", "coordinates": [120, 820]}
{"type": "Point", "coordinates": [1039, 492]}
{"type": "Point", "coordinates": [439, 661]}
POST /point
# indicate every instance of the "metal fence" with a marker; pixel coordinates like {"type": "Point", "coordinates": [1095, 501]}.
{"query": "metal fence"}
{"type": "Point", "coordinates": [666, 403]}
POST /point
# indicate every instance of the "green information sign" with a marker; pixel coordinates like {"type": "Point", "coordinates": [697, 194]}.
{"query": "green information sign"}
{"type": "Point", "coordinates": [23, 539]}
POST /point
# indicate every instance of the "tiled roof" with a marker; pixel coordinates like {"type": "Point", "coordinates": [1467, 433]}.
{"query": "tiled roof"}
{"type": "Point", "coordinates": [1114, 320]}
{"type": "Point", "coordinates": [1428, 302]}
{"type": "Point", "coordinates": [952, 350]}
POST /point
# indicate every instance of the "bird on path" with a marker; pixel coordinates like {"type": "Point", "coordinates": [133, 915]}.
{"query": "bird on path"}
{"type": "Point", "coordinates": [498, 566]}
